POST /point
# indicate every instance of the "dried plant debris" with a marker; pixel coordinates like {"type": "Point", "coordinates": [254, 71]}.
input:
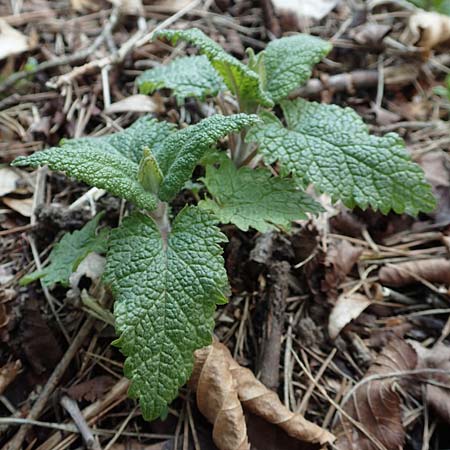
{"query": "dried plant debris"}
{"type": "Point", "coordinates": [429, 29]}
{"type": "Point", "coordinates": [436, 270]}
{"type": "Point", "coordinates": [346, 308]}
{"type": "Point", "coordinates": [339, 261]}
{"type": "Point", "coordinates": [376, 405]}
{"type": "Point", "coordinates": [8, 373]}
{"type": "Point", "coordinates": [225, 389]}
{"type": "Point", "coordinates": [437, 392]}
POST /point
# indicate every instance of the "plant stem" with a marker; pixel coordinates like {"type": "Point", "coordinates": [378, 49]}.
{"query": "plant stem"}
{"type": "Point", "coordinates": [161, 218]}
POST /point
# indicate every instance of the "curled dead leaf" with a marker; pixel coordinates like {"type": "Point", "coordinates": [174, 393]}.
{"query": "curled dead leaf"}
{"type": "Point", "coordinates": [429, 29]}
{"type": "Point", "coordinates": [435, 270]}
{"type": "Point", "coordinates": [347, 308]}
{"type": "Point", "coordinates": [376, 405]}
{"type": "Point", "coordinates": [224, 389]}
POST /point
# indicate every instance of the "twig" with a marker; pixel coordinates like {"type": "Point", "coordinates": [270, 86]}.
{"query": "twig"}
{"type": "Point", "coordinates": [92, 412]}
{"type": "Point", "coordinates": [16, 442]}
{"type": "Point", "coordinates": [121, 429]}
{"type": "Point", "coordinates": [354, 422]}
{"type": "Point", "coordinates": [72, 408]}
{"type": "Point", "coordinates": [305, 400]}
{"type": "Point", "coordinates": [66, 59]}
{"type": "Point", "coordinates": [137, 40]}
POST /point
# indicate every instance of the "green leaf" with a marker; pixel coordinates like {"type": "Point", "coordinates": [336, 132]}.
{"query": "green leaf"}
{"type": "Point", "coordinates": [166, 288]}
{"type": "Point", "coordinates": [253, 198]}
{"type": "Point", "coordinates": [240, 80]}
{"type": "Point", "coordinates": [97, 164]}
{"type": "Point", "coordinates": [330, 147]}
{"type": "Point", "coordinates": [187, 77]}
{"type": "Point", "coordinates": [107, 162]}
{"type": "Point", "coordinates": [145, 132]}
{"type": "Point", "coordinates": [68, 253]}
{"type": "Point", "coordinates": [181, 151]}
{"type": "Point", "coordinates": [288, 63]}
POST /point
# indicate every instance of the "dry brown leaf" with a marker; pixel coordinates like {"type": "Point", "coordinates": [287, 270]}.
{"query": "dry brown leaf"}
{"type": "Point", "coordinates": [137, 103]}
{"type": "Point", "coordinates": [429, 29]}
{"type": "Point", "coordinates": [339, 261]}
{"type": "Point", "coordinates": [23, 206]}
{"type": "Point", "coordinates": [8, 373]}
{"type": "Point", "coordinates": [12, 42]}
{"type": "Point", "coordinates": [92, 389]}
{"type": "Point", "coordinates": [370, 33]}
{"type": "Point", "coordinates": [438, 357]}
{"type": "Point", "coordinates": [347, 308]}
{"type": "Point", "coordinates": [376, 405]}
{"type": "Point", "coordinates": [224, 388]}
{"type": "Point", "coordinates": [432, 270]}
{"type": "Point", "coordinates": [435, 165]}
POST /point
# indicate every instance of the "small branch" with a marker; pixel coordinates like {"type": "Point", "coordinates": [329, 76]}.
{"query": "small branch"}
{"type": "Point", "coordinates": [72, 408]}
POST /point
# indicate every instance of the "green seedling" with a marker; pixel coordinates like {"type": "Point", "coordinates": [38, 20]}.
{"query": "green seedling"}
{"type": "Point", "coordinates": [167, 274]}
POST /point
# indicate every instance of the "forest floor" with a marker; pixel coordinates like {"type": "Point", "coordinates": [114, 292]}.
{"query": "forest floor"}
{"type": "Point", "coordinates": [344, 307]}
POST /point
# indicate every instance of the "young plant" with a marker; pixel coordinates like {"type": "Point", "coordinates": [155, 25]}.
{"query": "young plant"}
{"type": "Point", "coordinates": [168, 275]}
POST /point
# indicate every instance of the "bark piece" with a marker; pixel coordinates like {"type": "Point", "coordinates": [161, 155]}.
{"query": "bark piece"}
{"type": "Point", "coordinates": [273, 328]}
{"type": "Point", "coordinates": [224, 388]}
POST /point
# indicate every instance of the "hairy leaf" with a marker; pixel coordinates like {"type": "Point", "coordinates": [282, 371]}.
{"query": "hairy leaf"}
{"type": "Point", "coordinates": [330, 147]}
{"type": "Point", "coordinates": [107, 162]}
{"type": "Point", "coordinates": [179, 154]}
{"type": "Point", "coordinates": [97, 164]}
{"type": "Point", "coordinates": [166, 288]}
{"type": "Point", "coordinates": [242, 81]}
{"type": "Point", "coordinates": [187, 77]}
{"type": "Point", "coordinates": [253, 198]}
{"type": "Point", "coordinates": [67, 254]}
{"type": "Point", "coordinates": [145, 132]}
{"type": "Point", "coordinates": [288, 63]}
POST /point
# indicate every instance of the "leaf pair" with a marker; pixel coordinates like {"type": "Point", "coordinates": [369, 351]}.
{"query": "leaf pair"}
{"type": "Point", "coordinates": [112, 162]}
{"type": "Point", "coordinates": [271, 75]}
{"type": "Point", "coordinates": [325, 145]}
